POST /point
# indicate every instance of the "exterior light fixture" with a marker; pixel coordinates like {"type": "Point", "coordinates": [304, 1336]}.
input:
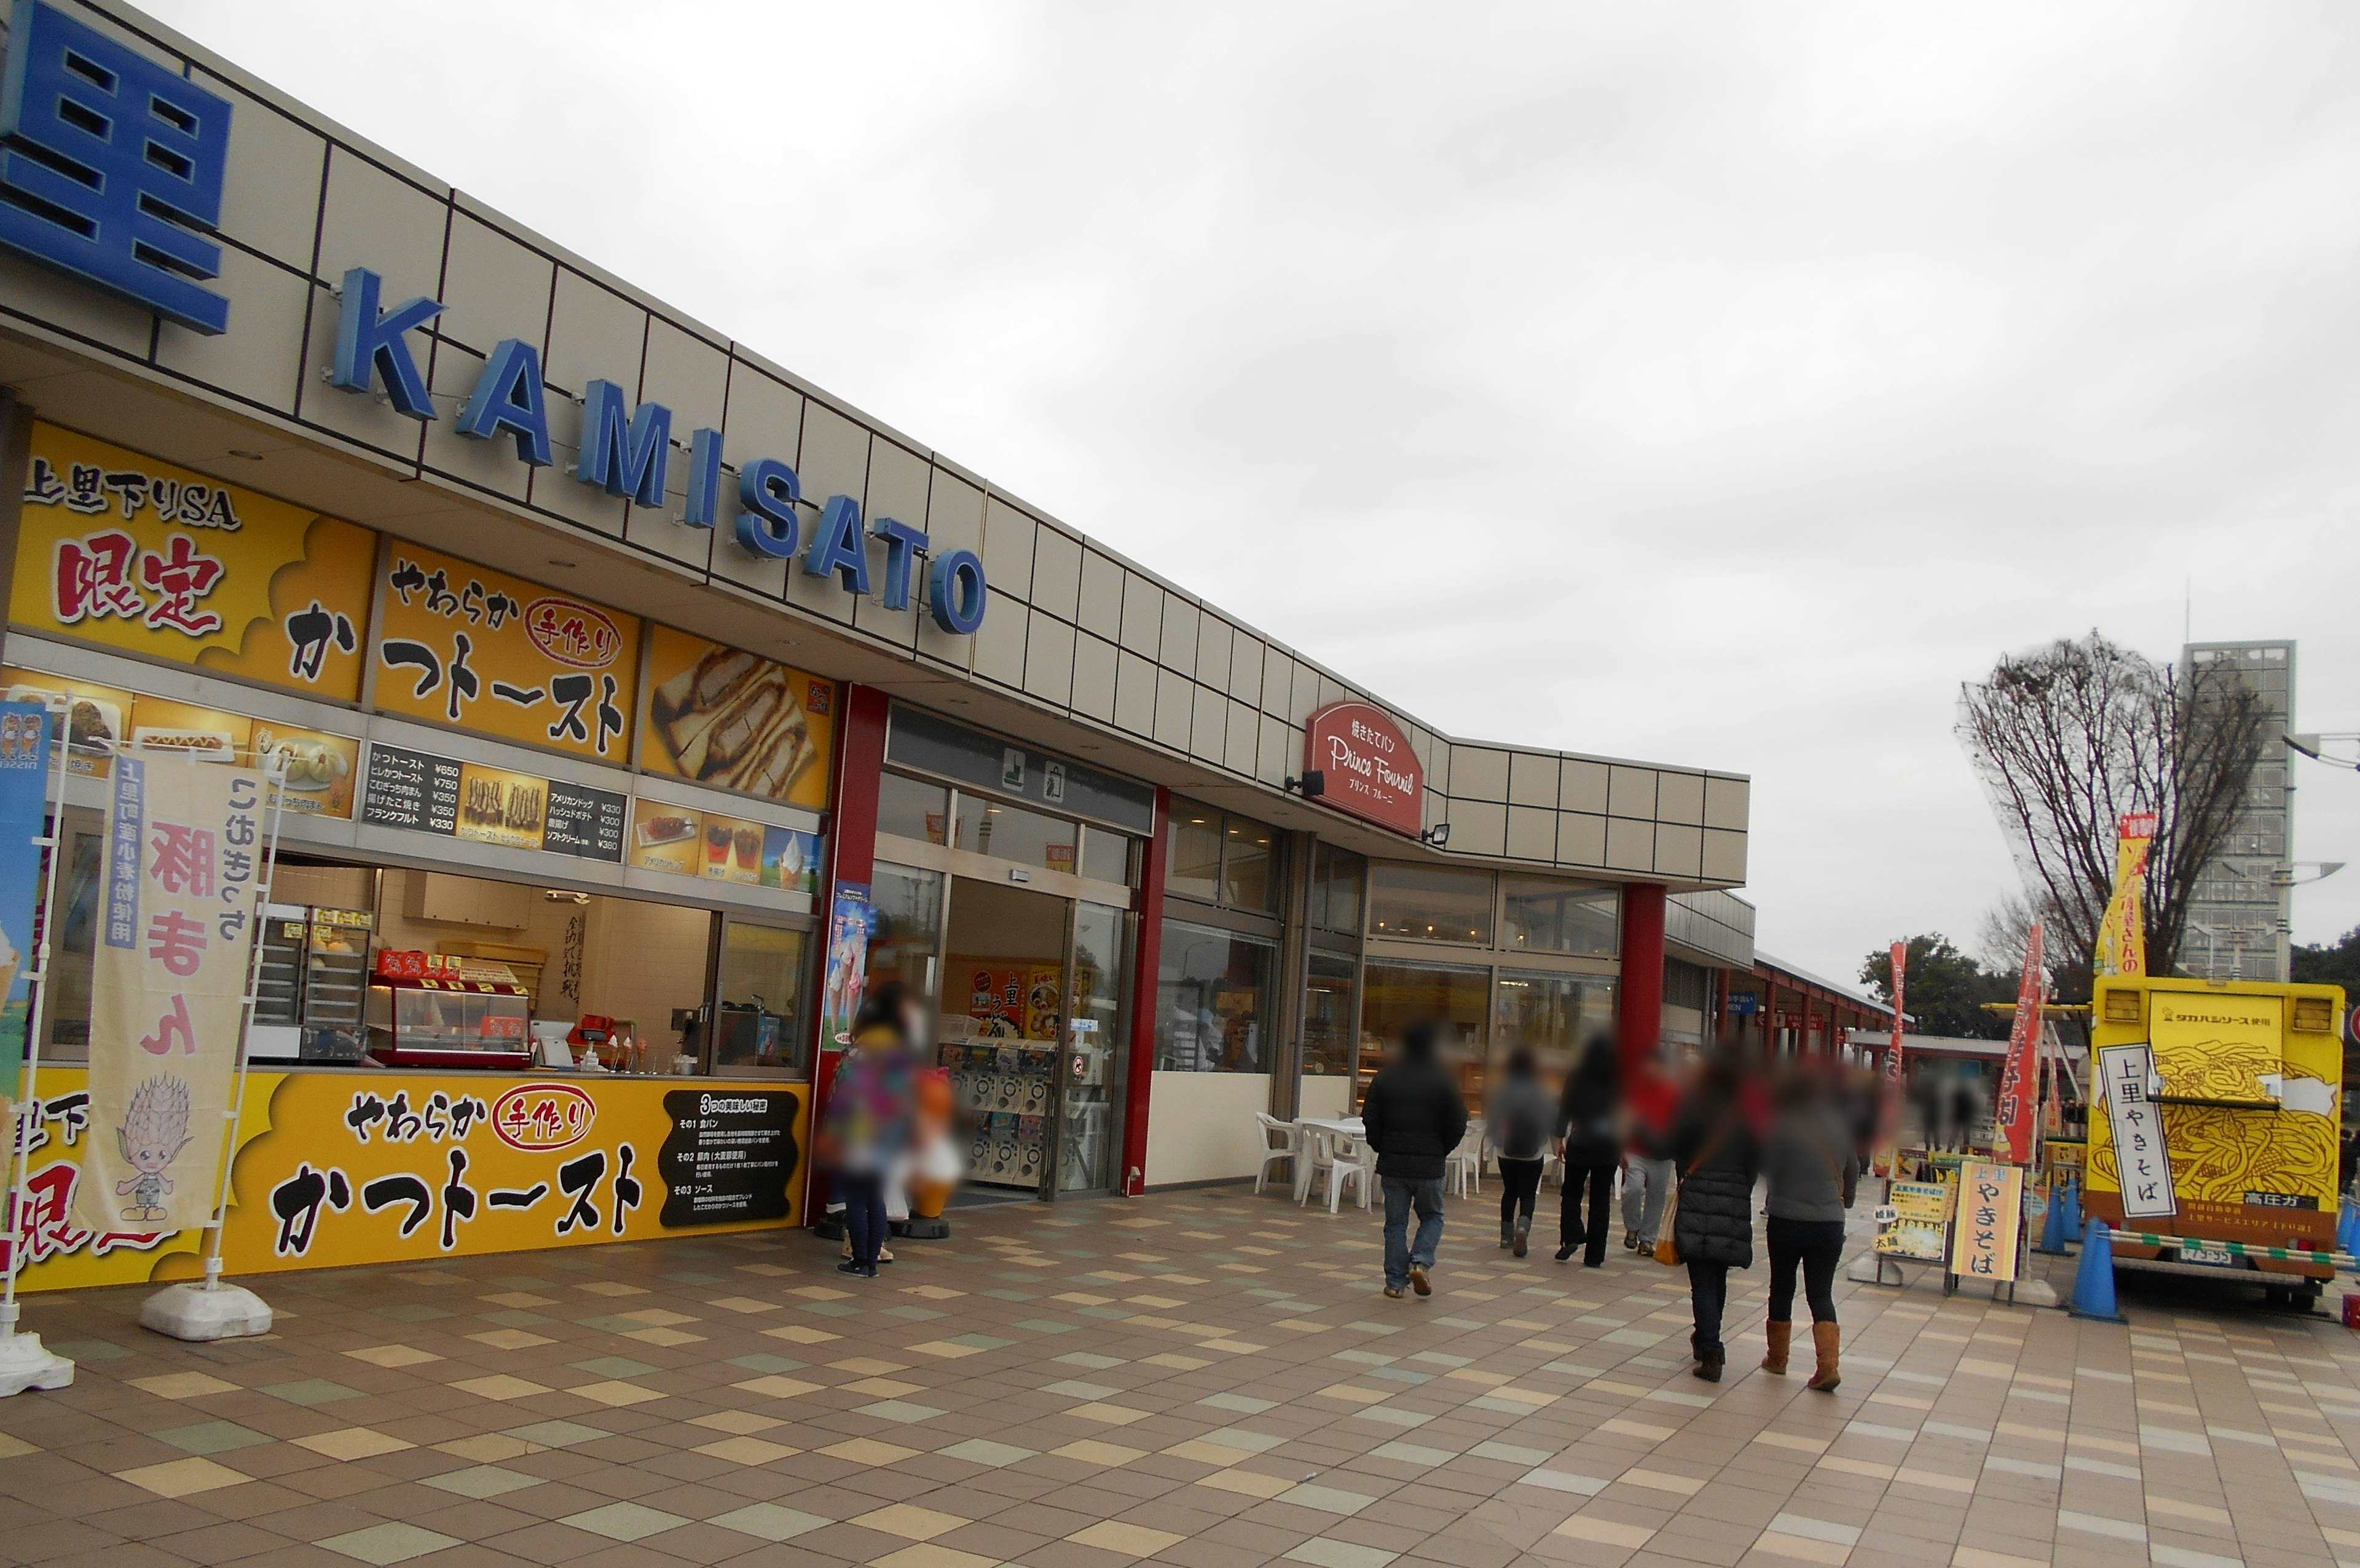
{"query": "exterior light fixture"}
{"type": "Point", "coordinates": [1436, 835]}
{"type": "Point", "coordinates": [1311, 784]}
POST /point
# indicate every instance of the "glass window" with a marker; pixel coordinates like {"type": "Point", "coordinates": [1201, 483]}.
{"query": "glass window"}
{"type": "Point", "coordinates": [1012, 833]}
{"type": "Point", "coordinates": [1336, 879]}
{"type": "Point", "coordinates": [1329, 1016]}
{"type": "Point", "coordinates": [1394, 996]}
{"type": "Point", "coordinates": [1106, 855]}
{"type": "Point", "coordinates": [1541, 914]}
{"type": "Point", "coordinates": [1212, 1001]}
{"type": "Point", "coordinates": [1194, 868]}
{"type": "Point", "coordinates": [908, 927]}
{"type": "Point", "coordinates": [1430, 903]}
{"type": "Point", "coordinates": [1556, 1015]}
{"type": "Point", "coordinates": [1095, 1048]}
{"type": "Point", "coordinates": [1249, 872]}
{"type": "Point", "coordinates": [757, 1018]}
{"type": "Point", "coordinates": [909, 809]}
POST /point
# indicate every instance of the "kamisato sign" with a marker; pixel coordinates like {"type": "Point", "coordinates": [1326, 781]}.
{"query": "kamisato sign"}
{"type": "Point", "coordinates": [1367, 765]}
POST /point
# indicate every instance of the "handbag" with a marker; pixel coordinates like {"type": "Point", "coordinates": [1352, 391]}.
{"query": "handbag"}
{"type": "Point", "coordinates": [1668, 1247]}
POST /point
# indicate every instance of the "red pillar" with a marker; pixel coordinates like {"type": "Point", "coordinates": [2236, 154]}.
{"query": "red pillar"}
{"type": "Point", "coordinates": [1145, 1002]}
{"type": "Point", "coordinates": [1640, 1027]}
{"type": "Point", "coordinates": [851, 853]}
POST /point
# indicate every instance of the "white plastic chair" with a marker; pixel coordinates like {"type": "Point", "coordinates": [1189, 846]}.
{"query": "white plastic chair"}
{"type": "Point", "coordinates": [1318, 1154]}
{"type": "Point", "coordinates": [1281, 1141]}
{"type": "Point", "coordinates": [1350, 1162]}
{"type": "Point", "coordinates": [1464, 1165]}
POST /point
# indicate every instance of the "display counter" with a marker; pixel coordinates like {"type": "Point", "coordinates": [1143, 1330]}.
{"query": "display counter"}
{"type": "Point", "coordinates": [348, 1165]}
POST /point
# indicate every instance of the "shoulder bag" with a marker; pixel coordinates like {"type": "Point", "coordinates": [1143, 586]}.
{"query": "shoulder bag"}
{"type": "Point", "coordinates": [1668, 1247]}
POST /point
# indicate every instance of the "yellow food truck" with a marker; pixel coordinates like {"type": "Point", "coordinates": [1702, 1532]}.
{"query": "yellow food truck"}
{"type": "Point", "coordinates": [2214, 1118]}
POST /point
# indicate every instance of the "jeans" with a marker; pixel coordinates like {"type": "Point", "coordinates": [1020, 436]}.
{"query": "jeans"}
{"type": "Point", "coordinates": [1816, 1245]}
{"type": "Point", "coordinates": [1645, 1184]}
{"type": "Point", "coordinates": [863, 1193]}
{"type": "Point", "coordinates": [1601, 1180]}
{"type": "Point", "coordinates": [1521, 1179]}
{"type": "Point", "coordinates": [1402, 1195]}
{"type": "Point", "coordinates": [1707, 1296]}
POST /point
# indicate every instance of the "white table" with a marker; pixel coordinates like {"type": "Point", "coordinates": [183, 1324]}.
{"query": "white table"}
{"type": "Point", "coordinates": [1319, 1135]}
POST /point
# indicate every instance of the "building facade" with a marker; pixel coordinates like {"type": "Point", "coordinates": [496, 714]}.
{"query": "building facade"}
{"type": "Point", "coordinates": [605, 650]}
{"type": "Point", "coordinates": [2241, 918]}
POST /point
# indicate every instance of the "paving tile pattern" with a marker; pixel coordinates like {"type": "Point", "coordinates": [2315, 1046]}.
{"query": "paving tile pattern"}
{"type": "Point", "coordinates": [1206, 1378]}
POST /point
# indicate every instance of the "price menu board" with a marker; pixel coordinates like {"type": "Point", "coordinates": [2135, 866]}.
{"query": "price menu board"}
{"type": "Point", "coordinates": [730, 1155]}
{"type": "Point", "coordinates": [424, 793]}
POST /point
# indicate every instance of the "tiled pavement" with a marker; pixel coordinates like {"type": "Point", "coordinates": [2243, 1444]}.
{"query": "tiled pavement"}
{"type": "Point", "coordinates": [1204, 1377]}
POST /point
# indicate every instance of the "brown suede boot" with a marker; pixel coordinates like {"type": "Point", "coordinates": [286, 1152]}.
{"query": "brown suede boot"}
{"type": "Point", "coordinates": [1828, 1338]}
{"type": "Point", "coordinates": [1782, 1335]}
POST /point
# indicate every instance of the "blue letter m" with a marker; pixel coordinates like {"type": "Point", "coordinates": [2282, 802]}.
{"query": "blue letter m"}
{"type": "Point", "coordinates": [111, 167]}
{"type": "Point", "coordinates": [629, 453]}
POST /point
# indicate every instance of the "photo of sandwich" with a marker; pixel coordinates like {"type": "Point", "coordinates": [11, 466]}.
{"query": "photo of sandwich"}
{"type": "Point", "coordinates": [735, 720]}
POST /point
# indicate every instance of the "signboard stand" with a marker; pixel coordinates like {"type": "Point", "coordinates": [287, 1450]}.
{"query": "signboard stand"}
{"type": "Point", "coordinates": [210, 1310]}
{"type": "Point", "coordinates": [24, 1363]}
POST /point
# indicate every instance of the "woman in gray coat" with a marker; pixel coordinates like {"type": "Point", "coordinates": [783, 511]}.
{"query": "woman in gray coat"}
{"type": "Point", "coordinates": [1813, 1172]}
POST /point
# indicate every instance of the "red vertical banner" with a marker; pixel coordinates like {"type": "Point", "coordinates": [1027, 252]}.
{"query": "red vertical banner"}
{"type": "Point", "coordinates": [1888, 1117]}
{"type": "Point", "coordinates": [2019, 1081]}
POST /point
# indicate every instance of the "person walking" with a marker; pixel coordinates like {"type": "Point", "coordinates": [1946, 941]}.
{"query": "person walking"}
{"type": "Point", "coordinates": [1590, 1121]}
{"type": "Point", "coordinates": [1652, 1101]}
{"type": "Point", "coordinates": [1813, 1173]}
{"type": "Point", "coordinates": [1518, 1117]}
{"type": "Point", "coordinates": [872, 1117]}
{"type": "Point", "coordinates": [1414, 1115]}
{"type": "Point", "coordinates": [1719, 1153]}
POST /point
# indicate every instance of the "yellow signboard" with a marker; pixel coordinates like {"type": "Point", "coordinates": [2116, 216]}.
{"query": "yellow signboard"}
{"type": "Point", "coordinates": [1989, 1217]}
{"type": "Point", "coordinates": [496, 806]}
{"type": "Point", "coordinates": [463, 646]}
{"type": "Point", "coordinates": [2219, 1048]}
{"type": "Point", "coordinates": [335, 1169]}
{"type": "Point", "coordinates": [1922, 1212]}
{"type": "Point", "coordinates": [736, 721]}
{"type": "Point", "coordinates": [140, 555]}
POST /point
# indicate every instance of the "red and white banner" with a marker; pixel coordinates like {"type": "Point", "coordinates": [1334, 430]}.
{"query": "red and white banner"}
{"type": "Point", "coordinates": [2019, 1080]}
{"type": "Point", "coordinates": [185, 846]}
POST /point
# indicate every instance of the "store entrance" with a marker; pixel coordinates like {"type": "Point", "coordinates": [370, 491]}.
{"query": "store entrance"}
{"type": "Point", "coordinates": [1029, 1016]}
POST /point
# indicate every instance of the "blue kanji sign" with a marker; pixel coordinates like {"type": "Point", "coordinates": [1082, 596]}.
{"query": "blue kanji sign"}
{"type": "Point", "coordinates": [111, 167]}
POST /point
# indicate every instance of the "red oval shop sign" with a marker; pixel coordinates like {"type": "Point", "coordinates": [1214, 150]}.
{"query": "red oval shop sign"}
{"type": "Point", "coordinates": [573, 633]}
{"type": "Point", "coordinates": [539, 1118]}
{"type": "Point", "coordinates": [1367, 766]}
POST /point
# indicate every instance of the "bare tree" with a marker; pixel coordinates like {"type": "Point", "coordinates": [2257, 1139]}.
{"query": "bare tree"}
{"type": "Point", "coordinates": [2008, 928]}
{"type": "Point", "coordinates": [2068, 738]}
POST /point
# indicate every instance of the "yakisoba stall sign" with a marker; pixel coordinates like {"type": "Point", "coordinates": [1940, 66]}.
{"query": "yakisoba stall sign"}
{"type": "Point", "coordinates": [1367, 766]}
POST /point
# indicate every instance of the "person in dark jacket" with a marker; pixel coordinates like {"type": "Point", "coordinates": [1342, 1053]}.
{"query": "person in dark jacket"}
{"type": "Point", "coordinates": [1414, 1117]}
{"type": "Point", "coordinates": [1717, 1154]}
{"type": "Point", "coordinates": [1590, 1121]}
{"type": "Point", "coordinates": [1812, 1173]}
{"type": "Point", "coordinates": [1518, 1117]}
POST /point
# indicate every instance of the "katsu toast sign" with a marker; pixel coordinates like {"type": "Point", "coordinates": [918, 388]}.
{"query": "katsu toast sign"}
{"type": "Point", "coordinates": [1367, 765]}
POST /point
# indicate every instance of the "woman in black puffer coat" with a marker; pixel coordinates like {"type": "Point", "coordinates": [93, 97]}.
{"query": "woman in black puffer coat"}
{"type": "Point", "coordinates": [1713, 1143]}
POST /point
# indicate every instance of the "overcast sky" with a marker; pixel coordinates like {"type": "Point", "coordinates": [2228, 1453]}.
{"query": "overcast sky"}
{"type": "Point", "coordinates": [1709, 385]}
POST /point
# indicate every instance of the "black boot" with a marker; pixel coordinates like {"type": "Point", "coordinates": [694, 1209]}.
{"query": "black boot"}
{"type": "Point", "coordinates": [1709, 1364]}
{"type": "Point", "coordinates": [1507, 1233]}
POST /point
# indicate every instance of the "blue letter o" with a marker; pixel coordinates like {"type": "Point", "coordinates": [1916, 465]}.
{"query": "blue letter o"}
{"type": "Point", "coordinates": [956, 590]}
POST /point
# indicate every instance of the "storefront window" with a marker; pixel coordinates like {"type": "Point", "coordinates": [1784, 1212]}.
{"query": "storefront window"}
{"type": "Point", "coordinates": [758, 1020]}
{"type": "Point", "coordinates": [1194, 869]}
{"type": "Point", "coordinates": [1556, 1015]}
{"type": "Point", "coordinates": [1012, 833]}
{"type": "Point", "coordinates": [1394, 996]}
{"type": "Point", "coordinates": [1337, 878]}
{"type": "Point", "coordinates": [1247, 858]}
{"type": "Point", "coordinates": [907, 808]}
{"type": "Point", "coordinates": [1212, 1012]}
{"type": "Point", "coordinates": [1430, 903]}
{"type": "Point", "coordinates": [908, 927]}
{"type": "Point", "coordinates": [1542, 914]}
{"type": "Point", "coordinates": [1329, 1016]}
{"type": "Point", "coordinates": [1106, 855]}
{"type": "Point", "coordinates": [1095, 1047]}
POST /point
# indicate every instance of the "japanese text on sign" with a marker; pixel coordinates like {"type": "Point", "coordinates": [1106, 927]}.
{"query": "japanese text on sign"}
{"type": "Point", "coordinates": [2142, 1163]}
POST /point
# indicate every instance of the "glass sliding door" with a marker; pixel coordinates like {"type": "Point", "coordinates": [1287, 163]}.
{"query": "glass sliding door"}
{"type": "Point", "coordinates": [1091, 1121]}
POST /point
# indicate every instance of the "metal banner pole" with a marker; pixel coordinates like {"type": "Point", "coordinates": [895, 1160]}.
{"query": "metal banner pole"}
{"type": "Point", "coordinates": [210, 1310]}
{"type": "Point", "coordinates": [23, 1364]}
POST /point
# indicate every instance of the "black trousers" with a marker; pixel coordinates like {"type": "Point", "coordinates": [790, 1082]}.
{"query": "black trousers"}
{"type": "Point", "coordinates": [1815, 1247]}
{"type": "Point", "coordinates": [864, 1213]}
{"type": "Point", "coordinates": [1708, 1298]}
{"type": "Point", "coordinates": [1600, 1181]}
{"type": "Point", "coordinates": [1520, 1180]}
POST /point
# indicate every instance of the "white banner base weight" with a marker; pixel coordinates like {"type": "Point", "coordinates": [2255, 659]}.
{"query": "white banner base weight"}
{"type": "Point", "coordinates": [189, 1311]}
{"type": "Point", "coordinates": [24, 1365]}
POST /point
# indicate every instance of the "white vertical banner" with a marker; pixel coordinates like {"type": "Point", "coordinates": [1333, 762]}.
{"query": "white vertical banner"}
{"type": "Point", "coordinates": [2142, 1164]}
{"type": "Point", "coordinates": [185, 849]}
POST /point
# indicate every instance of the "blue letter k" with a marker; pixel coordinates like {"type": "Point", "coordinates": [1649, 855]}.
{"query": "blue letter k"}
{"type": "Point", "coordinates": [372, 344]}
